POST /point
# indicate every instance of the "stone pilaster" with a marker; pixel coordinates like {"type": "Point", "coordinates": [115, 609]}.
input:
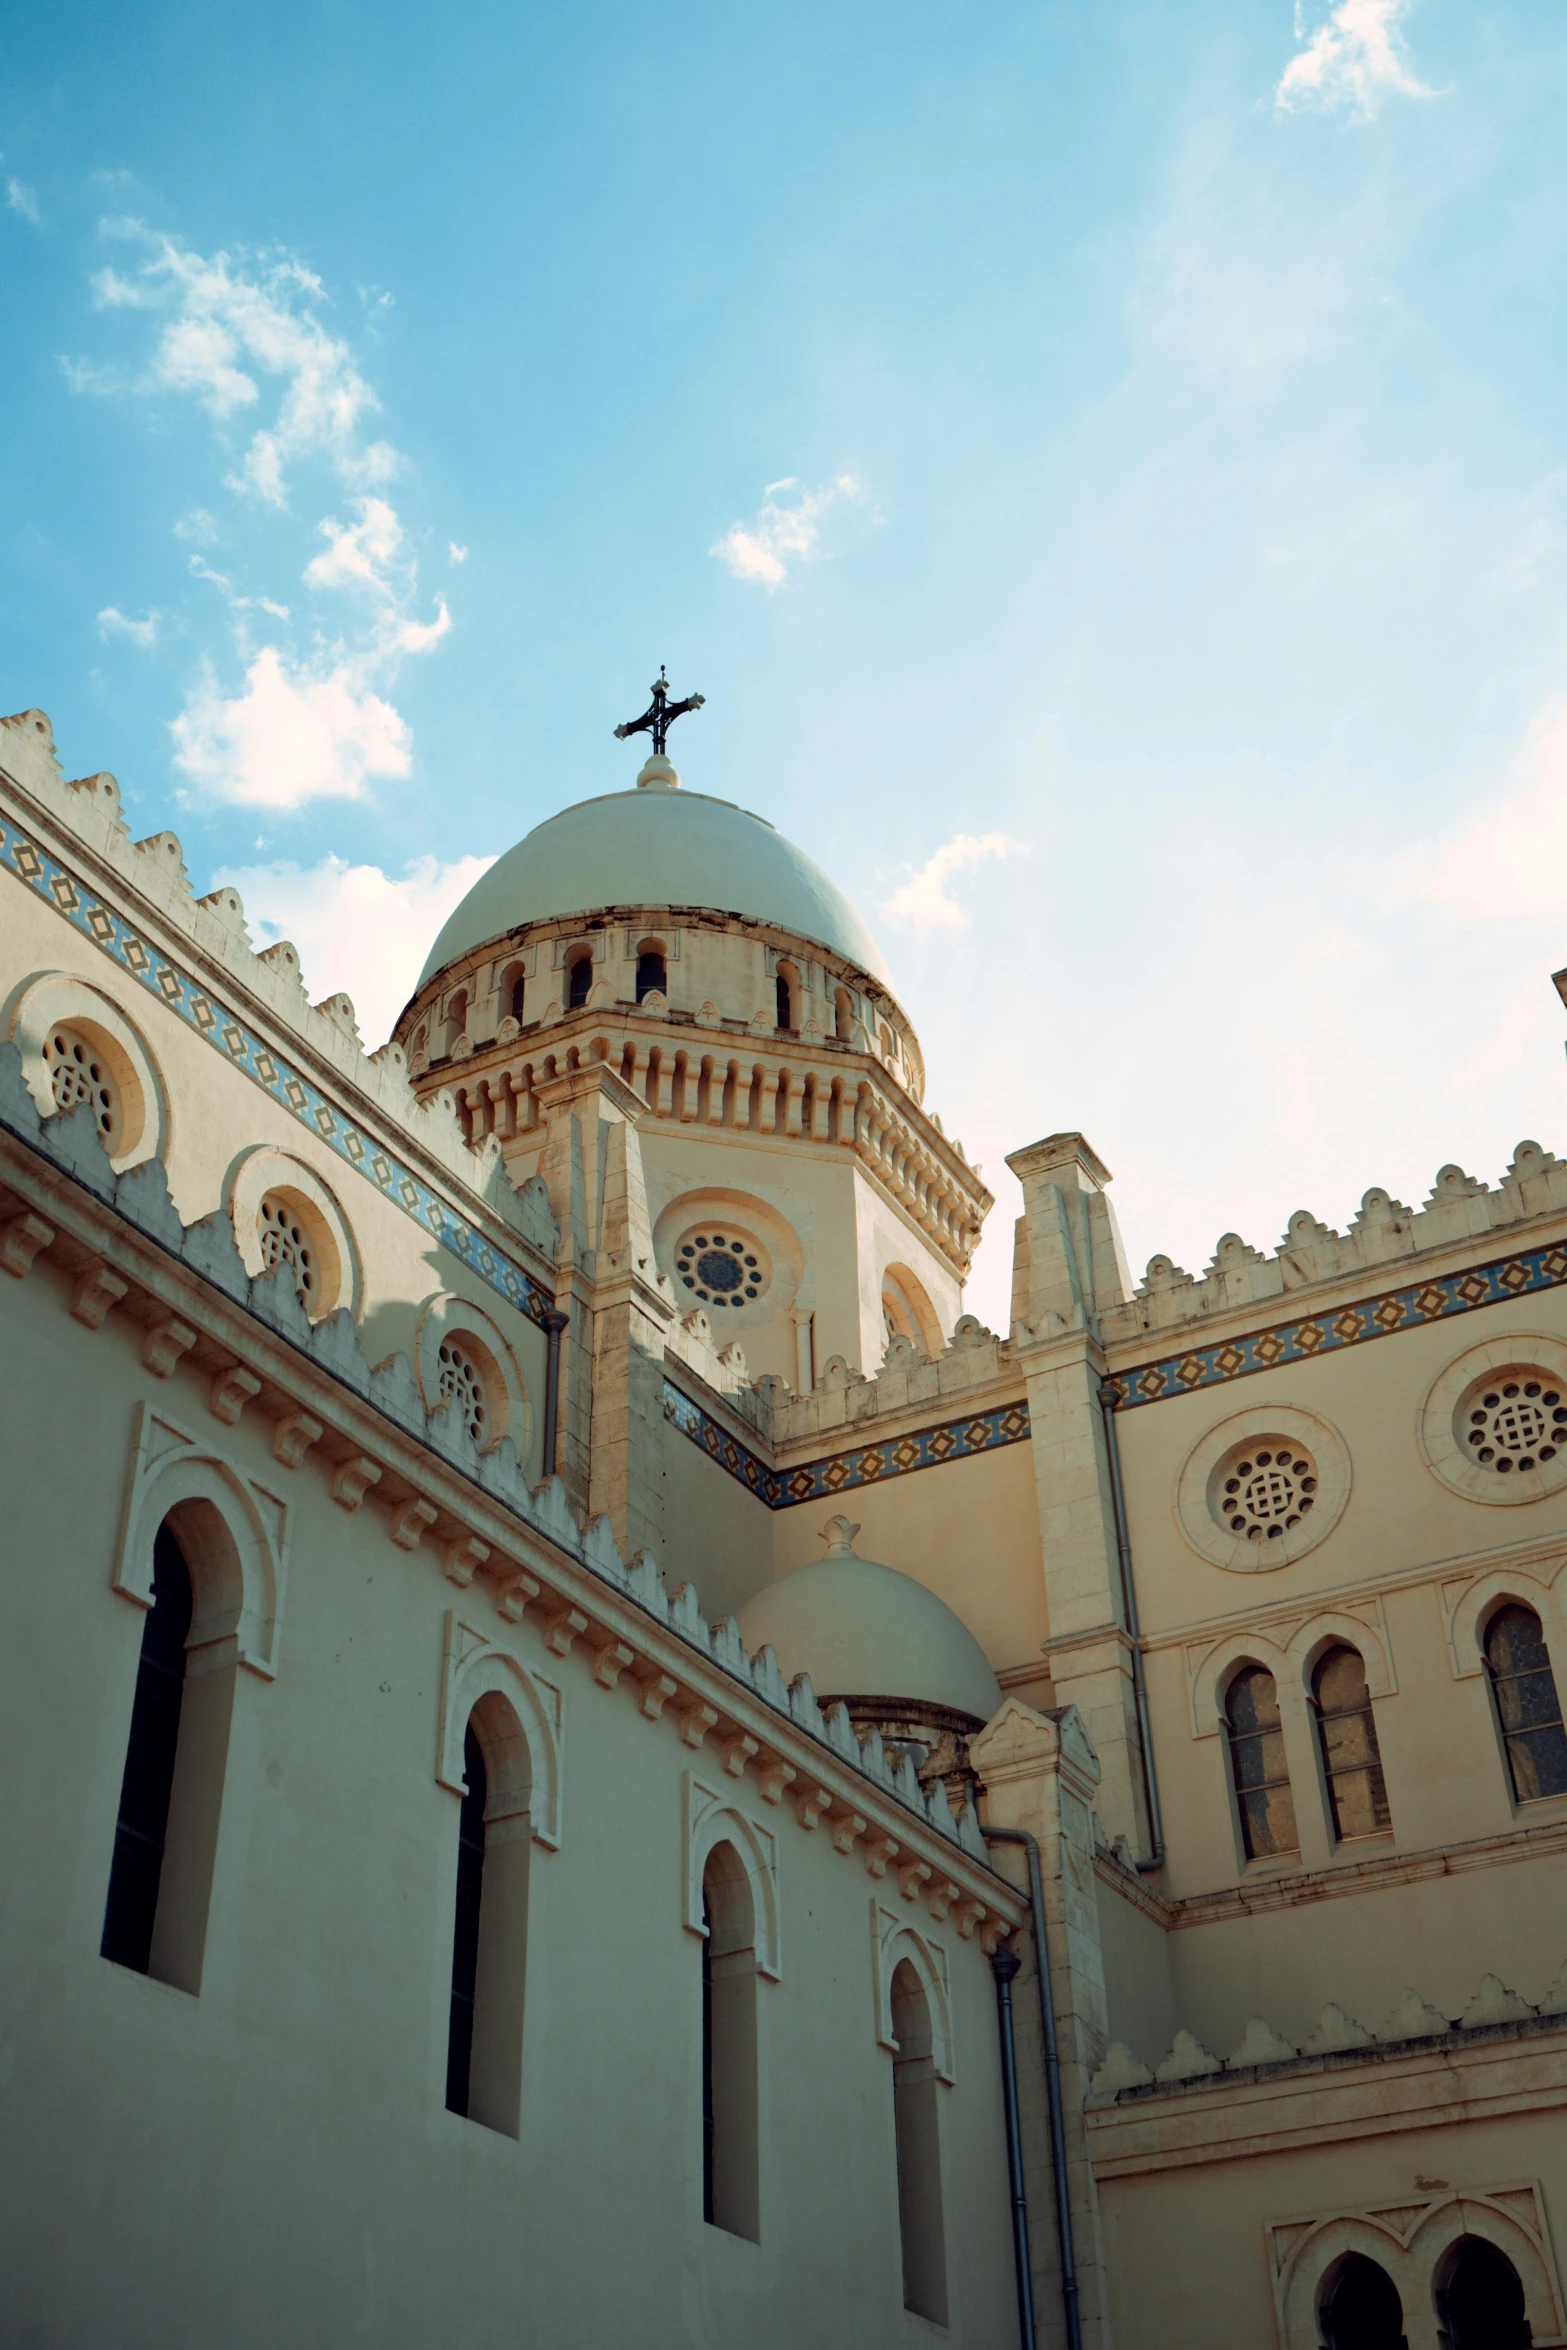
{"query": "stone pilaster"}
{"type": "Point", "coordinates": [1040, 1773]}
{"type": "Point", "coordinates": [610, 1426]}
{"type": "Point", "coordinates": [1067, 1263]}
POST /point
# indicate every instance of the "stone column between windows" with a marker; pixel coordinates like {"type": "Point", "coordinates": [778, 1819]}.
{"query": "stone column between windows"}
{"type": "Point", "coordinates": [1039, 1773]}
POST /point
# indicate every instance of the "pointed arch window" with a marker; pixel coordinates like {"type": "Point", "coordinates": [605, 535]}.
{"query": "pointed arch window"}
{"type": "Point", "coordinates": [490, 1924]}
{"type": "Point", "coordinates": [1361, 2309]}
{"type": "Point", "coordinates": [1351, 1758]}
{"type": "Point", "coordinates": [1480, 2300]}
{"type": "Point", "coordinates": [916, 2127]}
{"type": "Point", "coordinates": [1262, 1783]}
{"type": "Point", "coordinates": [1528, 1708]}
{"type": "Point", "coordinates": [730, 2183]}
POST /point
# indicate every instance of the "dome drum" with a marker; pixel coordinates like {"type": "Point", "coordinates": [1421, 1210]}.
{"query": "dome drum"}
{"type": "Point", "coordinates": [935, 1738]}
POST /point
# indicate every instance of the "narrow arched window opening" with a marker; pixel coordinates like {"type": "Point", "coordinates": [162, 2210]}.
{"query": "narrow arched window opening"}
{"type": "Point", "coordinates": [465, 1938]}
{"type": "Point", "coordinates": [490, 1926]}
{"type": "Point", "coordinates": [1523, 1686]}
{"type": "Point", "coordinates": [1262, 1783]}
{"type": "Point", "coordinates": [652, 978]}
{"type": "Point", "coordinates": [456, 1019]}
{"type": "Point", "coordinates": [516, 985]}
{"type": "Point", "coordinates": [785, 1003]}
{"type": "Point", "coordinates": [1361, 2309]}
{"type": "Point", "coordinates": [1481, 2299]}
{"type": "Point", "coordinates": [141, 1830]}
{"type": "Point", "coordinates": [579, 979]}
{"type": "Point", "coordinates": [916, 2123]}
{"type": "Point", "coordinates": [730, 2184]}
{"type": "Point", "coordinates": [842, 1015]}
{"type": "Point", "coordinates": [1351, 1758]}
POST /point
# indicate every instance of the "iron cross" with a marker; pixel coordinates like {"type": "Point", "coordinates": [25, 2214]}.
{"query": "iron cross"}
{"type": "Point", "coordinates": [660, 714]}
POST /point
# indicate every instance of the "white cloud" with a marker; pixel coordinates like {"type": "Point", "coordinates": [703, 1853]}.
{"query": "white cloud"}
{"type": "Point", "coordinates": [113, 622]}
{"type": "Point", "coordinates": [923, 900]}
{"type": "Point", "coordinates": [1508, 859]}
{"type": "Point", "coordinates": [357, 928]}
{"type": "Point", "coordinates": [197, 527]}
{"type": "Point", "coordinates": [361, 554]}
{"type": "Point", "coordinates": [201, 569]}
{"type": "Point", "coordinates": [22, 199]}
{"type": "Point", "coordinates": [784, 533]}
{"type": "Point", "coordinates": [455, 553]}
{"type": "Point", "coordinates": [240, 331]}
{"type": "Point", "coordinates": [1356, 58]}
{"type": "Point", "coordinates": [297, 732]}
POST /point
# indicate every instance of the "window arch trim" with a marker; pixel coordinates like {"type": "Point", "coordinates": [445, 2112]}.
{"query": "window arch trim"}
{"type": "Point", "coordinates": [894, 1940]}
{"type": "Point", "coordinates": [1470, 1613]}
{"type": "Point", "coordinates": [1412, 2247]}
{"type": "Point", "coordinates": [235, 1547]}
{"type": "Point", "coordinates": [53, 999]}
{"type": "Point", "coordinates": [264, 1169]}
{"type": "Point", "coordinates": [477, 1667]}
{"type": "Point", "coordinates": [444, 1315]}
{"type": "Point", "coordinates": [1292, 1665]}
{"type": "Point", "coordinates": [712, 1819]}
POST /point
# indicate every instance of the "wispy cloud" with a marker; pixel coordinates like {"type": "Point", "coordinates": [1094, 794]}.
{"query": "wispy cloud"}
{"type": "Point", "coordinates": [241, 334]}
{"type": "Point", "coordinates": [455, 553]}
{"type": "Point", "coordinates": [788, 529]}
{"type": "Point", "coordinates": [22, 199]}
{"type": "Point", "coordinates": [1355, 58]}
{"type": "Point", "coordinates": [1507, 859]}
{"type": "Point", "coordinates": [357, 928]}
{"type": "Point", "coordinates": [112, 622]}
{"type": "Point", "coordinates": [925, 902]}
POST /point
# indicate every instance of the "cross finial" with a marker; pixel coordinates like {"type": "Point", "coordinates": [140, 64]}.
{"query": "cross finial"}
{"type": "Point", "coordinates": [660, 714]}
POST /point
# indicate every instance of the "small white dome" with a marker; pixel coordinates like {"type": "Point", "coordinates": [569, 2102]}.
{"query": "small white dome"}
{"type": "Point", "coordinates": [657, 846]}
{"type": "Point", "coordinates": [863, 1630]}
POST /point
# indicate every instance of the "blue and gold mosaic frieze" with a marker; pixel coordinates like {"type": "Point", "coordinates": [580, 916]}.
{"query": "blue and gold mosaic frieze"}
{"type": "Point", "coordinates": [1525, 1274]}
{"type": "Point", "coordinates": [843, 1472]}
{"type": "Point", "coordinates": [245, 1051]}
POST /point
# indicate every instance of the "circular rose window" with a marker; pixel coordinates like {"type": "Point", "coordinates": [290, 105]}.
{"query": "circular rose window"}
{"type": "Point", "coordinates": [723, 1266]}
{"type": "Point", "coordinates": [1514, 1426]}
{"type": "Point", "coordinates": [1264, 1489]}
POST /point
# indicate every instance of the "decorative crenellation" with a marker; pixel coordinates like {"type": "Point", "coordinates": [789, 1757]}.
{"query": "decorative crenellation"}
{"type": "Point", "coordinates": [153, 870]}
{"type": "Point", "coordinates": [366, 1428]}
{"type": "Point", "coordinates": [786, 1091]}
{"type": "Point", "coordinates": [1460, 1209]}
{"type": "Point", "coordinates": [1411, 2022]}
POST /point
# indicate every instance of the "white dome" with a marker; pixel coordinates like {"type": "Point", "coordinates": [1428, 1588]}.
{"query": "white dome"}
{"type": "Point", "coordinates": [863, 1630]}
{"type": "Point", "coordinates": [657, 846]}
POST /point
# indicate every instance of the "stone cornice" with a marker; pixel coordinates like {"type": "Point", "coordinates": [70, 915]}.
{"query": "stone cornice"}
{"type": "Point", "coordinates": [369, 1438]}
{"type": "Point", "coordinates": [1374, 2092]}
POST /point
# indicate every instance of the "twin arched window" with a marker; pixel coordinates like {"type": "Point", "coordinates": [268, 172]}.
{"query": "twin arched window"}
{"type": "Point", "coordinates": [1351, 1759]}
{"type": "Point", "coordinates": [1478, 2293]}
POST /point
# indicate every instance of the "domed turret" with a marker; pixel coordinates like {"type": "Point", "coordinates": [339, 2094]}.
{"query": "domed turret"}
{"type": "Point", "coordinates": [864, 1631]}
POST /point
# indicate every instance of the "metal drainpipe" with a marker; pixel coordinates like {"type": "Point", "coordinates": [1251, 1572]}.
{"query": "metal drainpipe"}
{"type": "Point", "coordinates": [1052, 2064]}
{"type": "Point", "coordinates": [1004, 1965]}
{"type": "Point", "coordinates": [552, 1324]}
{"type": "Point", "coordinates": [1155, 1856]}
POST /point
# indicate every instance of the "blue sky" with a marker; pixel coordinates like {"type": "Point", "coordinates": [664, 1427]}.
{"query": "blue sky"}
{"type": "Point", "coordinates": [1105, 467]}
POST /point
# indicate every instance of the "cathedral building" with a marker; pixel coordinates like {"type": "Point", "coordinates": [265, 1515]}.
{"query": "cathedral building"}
{"type": "Point", "coordinates": [577, 1685]}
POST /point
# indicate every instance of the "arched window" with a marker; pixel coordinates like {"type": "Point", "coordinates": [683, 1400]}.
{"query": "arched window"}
{"type": "Point", "coordinates": [651, 974]}
{"type": "Point", "coordinates": [1527, 1706]}
{"type": "Point", "coordinates": [1262, 1783]}
{"type": "Point", "coordinates": [171, 1794]}
{"type": "Point", "coordinates": [490, 1930]}
{"type": "Point", "coordinates": [785, 996]}
{"type": "Point", "coordinates": [1361, 2309]}
{"type": "Point", "coordinates": [579, 979]}
{"type": "Point", "coordinates": [915, 2122]}
{"type": "Point", "coordinates": [730, 2190]}
{"type": "Point", "coordinates": [1480, 2301]}
{"type": "Point", "coordinates": [456, 1019]}
{"type": "Point", "coordinates": [1351, 1759]}
{"type": "Point", "coordinates": [141, 1830]}
{"type": "Point", "coordinates": [514, 987]}
{"type": "Point", "coordinates": [842, 1014]}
